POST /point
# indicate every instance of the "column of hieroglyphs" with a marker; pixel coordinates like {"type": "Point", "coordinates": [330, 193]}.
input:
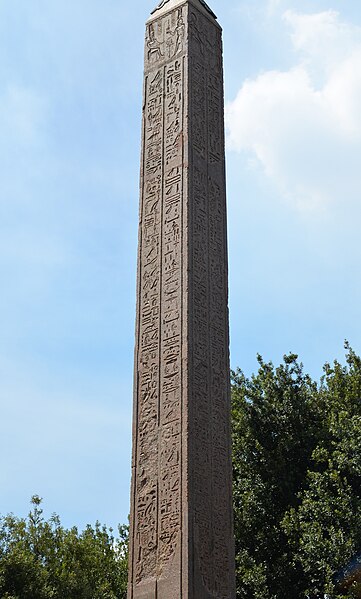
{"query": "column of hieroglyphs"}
{"type": "Point", "coordinates": [181, 541]}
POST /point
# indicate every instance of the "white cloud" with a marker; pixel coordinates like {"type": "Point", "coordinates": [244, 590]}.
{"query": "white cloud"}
{"type": "Point", "coordinates": [322, 37]}
{"type": "Point", "coordinates": [304, 125]}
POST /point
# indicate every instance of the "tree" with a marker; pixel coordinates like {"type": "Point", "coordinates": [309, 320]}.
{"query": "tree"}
{"type": "Point", "coordinates": [297, 500]}
{"type": "Point", "coordinates": [41, 559]}
{"type": "Point", "coordinates": [297, 479]}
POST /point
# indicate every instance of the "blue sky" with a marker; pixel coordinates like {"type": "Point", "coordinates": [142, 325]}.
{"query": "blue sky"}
{"type": "Point", "coordinates": [70, 106]}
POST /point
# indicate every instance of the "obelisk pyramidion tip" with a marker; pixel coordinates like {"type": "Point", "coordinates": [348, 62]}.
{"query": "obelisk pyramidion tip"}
{"type": "Point", "coordinates": [202, 2]}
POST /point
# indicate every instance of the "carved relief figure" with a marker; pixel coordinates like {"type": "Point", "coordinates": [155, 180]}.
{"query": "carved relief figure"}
{"type": "Point", "coordinates": [169, 42]}
{"type": "Point", "coordinates": [154, 46]}
{"type": "Point", "coordinates": [175, 37]}
{"type": "Point", "coordinates": [180, 31]}
{"type": "Point", "coordinates": [195, 31]}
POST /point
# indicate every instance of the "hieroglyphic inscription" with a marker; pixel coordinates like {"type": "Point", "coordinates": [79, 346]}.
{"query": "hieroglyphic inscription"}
{"type": "Point", "coordinates": [181, 502]}
{"type": "Point", "coordinates": [210, 393]}
{"type": "Point", "coordinates": [157, 488]}
{"type": "Point", "coordinates": [146, 483]}
{"type": "Point", "coordinates": [171, 325]}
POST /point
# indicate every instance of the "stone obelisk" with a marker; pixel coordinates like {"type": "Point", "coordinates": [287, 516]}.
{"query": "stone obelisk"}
{"type": "Point", "coordinates": [181, 538]}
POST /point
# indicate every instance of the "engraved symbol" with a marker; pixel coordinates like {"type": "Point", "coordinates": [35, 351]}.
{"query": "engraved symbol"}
{"type": "Point", "coordinates": [180, 31]}
{"type": "Point", "coordinates": [156, 83]}
{"type": "Point", "coordinates": [154, 51]}
{"type": "Point", "coordinates": [175, 38]}
{"type": "Point", "coordinates": [169, 42]}
{"type": "Point", "coordinates": [196, 33]}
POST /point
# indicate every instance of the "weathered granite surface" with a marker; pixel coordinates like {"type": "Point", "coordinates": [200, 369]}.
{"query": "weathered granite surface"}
{"type": "Point", "coordinates": [181, 539]}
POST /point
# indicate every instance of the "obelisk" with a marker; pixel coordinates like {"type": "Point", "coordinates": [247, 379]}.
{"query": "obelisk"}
{"type": "Point", "coordinates": [181, 537]}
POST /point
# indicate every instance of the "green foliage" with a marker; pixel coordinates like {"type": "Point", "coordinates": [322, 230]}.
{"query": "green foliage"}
{"type": "Point", "coordinates": [297, 498]}
{"type": "Point", "coordinates": [297, 479]}
{"type": "Point", "coordinates": [40, 559]}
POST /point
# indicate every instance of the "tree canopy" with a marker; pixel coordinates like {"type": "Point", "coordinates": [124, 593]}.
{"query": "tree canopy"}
{"type": "Point", "coordinates": [40, 559]}
{"type": "Point", "coordinates": [297, 480]}
{"type": "Point", "coordinates": [297, 500]}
